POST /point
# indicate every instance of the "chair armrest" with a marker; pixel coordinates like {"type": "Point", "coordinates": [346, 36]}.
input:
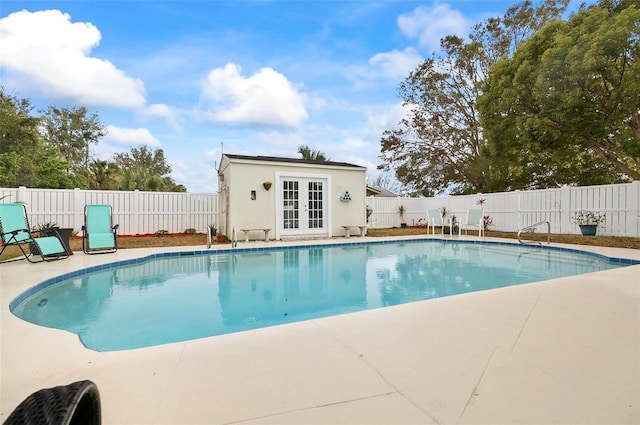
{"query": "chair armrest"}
{"type": "Point", "coordinates": [14, 233]}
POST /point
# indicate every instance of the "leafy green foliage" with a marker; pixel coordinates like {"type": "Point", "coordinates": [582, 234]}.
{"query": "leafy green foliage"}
{"type": "Point", "coordinates": [19, 139]}
{"type": "Point", "coordinates": [306, 152]}
{"type": "Point", "coordinates": [25, 158]}
{"type": "Point", "coordinates": [439, 145]}
{"type": "Point", "coordinates": [47, 229]}
{"type": "Point", "coordinates": [144, 169]}
{"type": "Point", "coordinates": [54, 151]}
{"type": "Point", "coordinates": [103, 174]}
{"type": "Point", "coordinates": [73, 131]}
{"type": "Point", "coordinates": [565, 109]}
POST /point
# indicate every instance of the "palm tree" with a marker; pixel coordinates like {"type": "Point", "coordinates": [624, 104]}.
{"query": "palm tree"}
{"type": "Point", "coordinates": [102, 174]}
{"type": "Point", "coordinates": [311, 154]}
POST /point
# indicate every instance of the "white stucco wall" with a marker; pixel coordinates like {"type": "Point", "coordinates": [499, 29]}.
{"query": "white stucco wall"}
{"type": "Point", "coordinates": [242, 176]}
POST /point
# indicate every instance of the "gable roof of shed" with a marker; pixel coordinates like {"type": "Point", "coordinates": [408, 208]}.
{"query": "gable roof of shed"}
{"type": "Point", "coordinates": [290, 160]}
{"type": "Point", "coordinates": [379, 191]}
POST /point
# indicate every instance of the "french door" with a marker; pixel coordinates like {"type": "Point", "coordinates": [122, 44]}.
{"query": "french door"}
{"type": "Point", "coordinates": [303, 206]}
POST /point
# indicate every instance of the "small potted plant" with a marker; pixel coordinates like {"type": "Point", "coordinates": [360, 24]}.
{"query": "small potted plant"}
{"type": "Point", "coordinates": [49, 228]}
{"type": "Point", "coordinates": [453, 228]}
{"type": "Point", "coordinates": [588, 221]}
{"type": "Point", "coordinates": [401, 210]}
{"type": "Point", "coordinates": [219, 237]}
{"type": "Point", "coordinates": [487, 222]}
{"type": "Point", "coordinates": [369, 212]}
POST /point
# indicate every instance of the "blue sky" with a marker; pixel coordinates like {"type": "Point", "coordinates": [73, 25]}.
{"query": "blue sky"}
{"type": "Point", "coordinates": [258, 77]}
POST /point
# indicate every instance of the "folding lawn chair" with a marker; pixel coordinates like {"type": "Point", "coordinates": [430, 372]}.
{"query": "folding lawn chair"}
{"type": "Point", "coordinates": [99, 233]}
{"type": "Point", "coordinates": [435, 219]}
{"type": "Point", "coordinates": [15, 230]}
{"type": "Point", "coordinates": [475, 219]}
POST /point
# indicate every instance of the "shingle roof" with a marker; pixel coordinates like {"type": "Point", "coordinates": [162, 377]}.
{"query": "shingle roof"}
{"type": "Point", "coordinates": [291, 160]}
{"type": "Point", "coordinates": [380, 191]}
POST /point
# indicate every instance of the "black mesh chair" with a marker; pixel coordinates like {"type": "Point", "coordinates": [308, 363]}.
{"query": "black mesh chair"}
{"type": "Point", "coordinates": [73, 404]}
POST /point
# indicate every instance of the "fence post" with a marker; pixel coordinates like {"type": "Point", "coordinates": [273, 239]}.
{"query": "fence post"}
{"type": "Point", "coordinates": [634, 206]}
{"type": "Point", "coordinates": [78, 209]}
{"type": "Point", "coordinates": [188, 218]}
{"type": "Point", "coordinates": [518, 213]}
{"type": "Point", "coordinates": [136, 208]}
{"type": "Point", "coordinates": [565, 209]}
{"type": "Point", "coordinates": [22, 194]}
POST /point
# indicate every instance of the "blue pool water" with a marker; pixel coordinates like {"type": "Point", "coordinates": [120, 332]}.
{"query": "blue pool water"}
{"type": "Point", "coordinates": [177, 298]}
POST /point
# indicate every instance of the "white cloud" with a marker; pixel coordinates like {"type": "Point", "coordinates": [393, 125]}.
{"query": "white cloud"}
{"type": "Point", "coordinates": [198, 173]}
{"type": "Point", "coordinates": [396, 64]}
{"type": "Point", "coordinates": [386, 119]}
{"type": "Point", "coordinates": [429, 24]}
{"type": "Point", "coordinates": [45, 51]}
{"type": "Point", "coordinates": [171, 115]}
{"type": "Point", "coordinates": [390, 66]}
{"type": "Point", "coordinates": [280, 143]}
{"type": "Point", "coordinates": [266, 98]}
{"type": "Point", "coordinates": [131, 136]}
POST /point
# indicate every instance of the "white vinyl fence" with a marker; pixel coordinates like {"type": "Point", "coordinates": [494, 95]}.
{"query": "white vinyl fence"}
{"type": "Point", "coordinates": [147, 212]}
{"type": "Point", "coordinates": [511, 211]}
{"type": "Point", "coordinates": [136, 212]}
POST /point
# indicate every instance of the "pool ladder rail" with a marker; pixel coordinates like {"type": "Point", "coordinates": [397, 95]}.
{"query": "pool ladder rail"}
{"type": "Point", "coordinates": [532, 228]}
{"type": "Point", "coordinates": [234, 238]}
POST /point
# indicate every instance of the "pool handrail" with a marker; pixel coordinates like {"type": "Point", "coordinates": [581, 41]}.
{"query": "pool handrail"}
{"type": "Point", "coordinates": [532, 228]}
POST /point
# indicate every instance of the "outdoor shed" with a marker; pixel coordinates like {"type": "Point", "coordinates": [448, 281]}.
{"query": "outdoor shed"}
{"type": "Point", "coordinates": [289, 197]}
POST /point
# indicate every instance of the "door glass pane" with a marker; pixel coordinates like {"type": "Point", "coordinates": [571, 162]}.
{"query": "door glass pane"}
{"type": "Point", "coordinates": [315, 205]}
{"type": "Point", "coordinates": [290, 196]}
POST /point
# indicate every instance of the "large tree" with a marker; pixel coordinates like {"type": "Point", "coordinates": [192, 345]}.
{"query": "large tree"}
{"type": "Point", "coordinates": [73, 130]}
{"type": "Point", "coordinates": [18, 138]}
{"type": "Point", "coordinates": [438, 146]}
{"type": "Point", "coordinates": [54, 151]}
{"type": "Point", "coordinates": [144, 169]}
{"type": "Point", "coordinates": [565, 109]}
{"type": "Point", "coordinates": [25, 160]}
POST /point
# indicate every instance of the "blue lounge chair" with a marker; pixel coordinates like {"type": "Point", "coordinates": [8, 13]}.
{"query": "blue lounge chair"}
{"type": "Point", "coordinates": [99, 233]}
{"type": "Point", "coordinates": [15, 230]}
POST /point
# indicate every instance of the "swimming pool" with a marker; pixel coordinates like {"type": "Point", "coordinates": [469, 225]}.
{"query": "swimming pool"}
{"type": "Point", "coordinates": [181, 296]}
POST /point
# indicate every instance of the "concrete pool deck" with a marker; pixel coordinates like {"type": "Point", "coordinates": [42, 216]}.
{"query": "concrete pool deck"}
{"type": "Point", "coordinates": [559, 351]}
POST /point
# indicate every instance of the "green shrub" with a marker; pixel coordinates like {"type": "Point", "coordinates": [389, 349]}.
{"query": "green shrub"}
{"type": "Point", "coordinates": [47, 228]}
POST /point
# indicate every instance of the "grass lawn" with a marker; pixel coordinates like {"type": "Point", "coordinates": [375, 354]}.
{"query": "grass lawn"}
{"type": "Point", "coordinates": [612, 241]}
{"type": "Point", "coordinates": [153, 241]}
